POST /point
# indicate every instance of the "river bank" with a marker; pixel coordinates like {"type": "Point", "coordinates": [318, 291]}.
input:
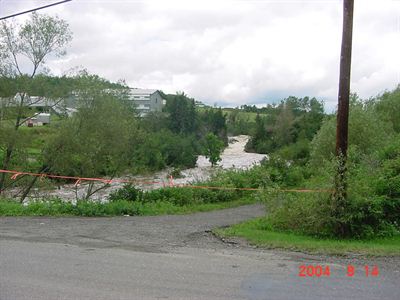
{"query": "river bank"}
{"type": "Point", "coordinates": [233, 157]}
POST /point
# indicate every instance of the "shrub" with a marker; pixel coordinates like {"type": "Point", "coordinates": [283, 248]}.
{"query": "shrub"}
{"type": "Point", "coordinates": [372, 207]}
{"type": "Point", "coordinates": [189, 196]}
{"type": "Point", "coordinates": [365, 133]}
{"type": "Point", "coordinates": [213, 147]}
{"type": "Point", "coordinates": [298, 152]}
{"type": "Point", "coordinates": [176, 173]}
{"type": "Point", "coordinates": [127, 192]}
{"type": "Point", "coordinates": [388, 182]}
{"type": "Point", "coordinates": [298, 212]}
{"type": "Point", "coordinates": [160, 149]}
{"type": "Point", "coordinates": [179, 196]}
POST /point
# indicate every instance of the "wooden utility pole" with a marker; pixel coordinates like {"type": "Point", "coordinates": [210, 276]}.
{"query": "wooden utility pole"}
{"type": "Point", "coordinates": [343, 109]}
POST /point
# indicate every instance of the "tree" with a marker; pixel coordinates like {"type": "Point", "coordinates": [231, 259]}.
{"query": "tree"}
{"type": "Point", "coordinates": [214, 120]}
{"type": "Point", "coordinates": [97, 141]}
{"type": "Point", "coordinates": [213, 148]}
{"type": "Point", "coordinates": [260, 133]}
{"type": "Point", "coordinates": [35, 40]}
{"type": "Point", "coordinates": [39, 37]}
{"type": "Point", "coordinates": [389, 107]}
{"type": "Point", "coordinates": [366, 124]}
{"type": "Point", "coordinates": [283, 129]}
{"type": "Point", "coordinates": [182, 117]}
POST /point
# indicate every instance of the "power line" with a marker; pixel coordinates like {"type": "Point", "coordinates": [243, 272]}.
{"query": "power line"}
{"type": "Point", "coordinates": [35, 9]}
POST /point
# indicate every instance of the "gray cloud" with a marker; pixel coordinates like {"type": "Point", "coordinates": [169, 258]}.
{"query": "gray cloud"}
{"type": "Point", "coordinates": [231, 52]}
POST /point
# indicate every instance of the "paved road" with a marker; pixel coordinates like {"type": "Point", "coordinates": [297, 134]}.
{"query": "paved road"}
{"type": "Point", "coordinates": [167, 257]}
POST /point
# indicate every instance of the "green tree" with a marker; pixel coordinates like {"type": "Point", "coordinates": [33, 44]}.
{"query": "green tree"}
{"type": "Point", "coordinates": [260, 140]}
{"type": "Point", "coordinates": [388, 106]}
{"type": "Point", "coordinates": [214, 120]}
{"type": "Point", "coordinates": [213, 148]}
{"type": "Point", "coordinates": [283, 129]}
{"type": "Point", "coordinates": [366, 128]}
{"type": "Point", "coordinates": [182, 115]}
{"type": "Point", "coordinates": [97, 141]}
{"type": "Point", "coordinates": [157, 150]}
{"type": "Point", "coordinates": [239, 123]}
{"type": "Point", "coordinates": [36, 39]}
{"type": "Point", "coordinates": [294, 120]}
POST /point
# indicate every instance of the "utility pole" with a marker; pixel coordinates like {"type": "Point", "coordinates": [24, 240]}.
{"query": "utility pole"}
{"type": "Point", "coordinates": [340, 196]}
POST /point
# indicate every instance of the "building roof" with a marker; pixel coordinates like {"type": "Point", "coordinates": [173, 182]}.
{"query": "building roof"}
{"type": "Point", "coordinates": [134, 91]}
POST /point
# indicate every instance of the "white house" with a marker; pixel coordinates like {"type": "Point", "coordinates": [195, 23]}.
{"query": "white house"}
{"type": "Point", "coordinates": [146, 100]}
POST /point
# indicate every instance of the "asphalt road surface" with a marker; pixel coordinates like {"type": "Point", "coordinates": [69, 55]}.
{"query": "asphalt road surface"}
{"type": "Point", "coordinates": [169, 257]}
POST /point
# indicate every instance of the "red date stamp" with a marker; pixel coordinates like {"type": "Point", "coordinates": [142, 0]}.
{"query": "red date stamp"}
{"type": "Point", "coordinates": [325, 271]}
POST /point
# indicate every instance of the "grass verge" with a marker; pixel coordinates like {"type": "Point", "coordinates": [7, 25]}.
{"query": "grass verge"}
{"type": "Point", "coordinates": [257, 233]}
{"type": "Point", "coordinates": [115, 208]}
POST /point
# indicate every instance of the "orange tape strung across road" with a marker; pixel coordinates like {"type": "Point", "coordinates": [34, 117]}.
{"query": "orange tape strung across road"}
{"type": "Point", "coordinates": [78, 180]}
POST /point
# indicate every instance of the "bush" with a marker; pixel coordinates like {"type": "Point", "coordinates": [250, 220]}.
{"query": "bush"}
{"type": "Point", "coordinates": [179, 196]}
{"type": "Point", "coordinates": [311, 214]}
{"type": "Point", "coordinates": [299, 212]}
{"type": "Point", "coordinates": [189, 196]}
{"type": "Point", "coordinates": [283, 172]}
{"type": "Point", "coordinates": [366, 129]}
{"type": "Point", "coordinates": [298, 152]}
{"type": "Point", "coordinates": [388, 182]}
{"type": "Point", "coordinates": [161, 149]}
{"type": "Point", "coordinates": [176, 173]}
{"type": "Point", "coordinates": [372, 207]}
{"type": "Point", "coordinates": [128, 192]}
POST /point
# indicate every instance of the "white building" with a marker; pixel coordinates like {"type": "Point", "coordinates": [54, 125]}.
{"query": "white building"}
{"type": "Point", "coordinates": [146, 100]}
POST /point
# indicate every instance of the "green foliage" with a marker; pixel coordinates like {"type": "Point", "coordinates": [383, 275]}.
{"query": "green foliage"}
{"type": "Point", "coordinates": [180, 196]}
{"type": "Point", "coordinates": [298, 212]}
{"type": "Point", "coordinates": [372, 208]}
{"type": "Point", "coordinates": [57, 207]}
{"type": "Point", "coordinates": [176, 173]}
{"type": "Point", "coordinates": [183, 117]}
{"type": "Point", "coordinates": [213, 121]}
{"type": "Point", "coordinates": [96, 141]}
{"type": "Point", "coordinates": [388, 182]}
{"type": "Point", "coordinates": [261, 140]}
{"type": "Point", "coordinates": [173, 138]}
{"type": "Point", "coordinates": [34, 40]}
{"type": "Point", "coordinates": [239, 122]}
{"type": "Point", "coordinates": [213, 148]}
{"type": "Point", "coordinates": [293, 120]}
{"type": "Point", "coordinates": [388, 106]}
{"type": "Point", "coordinates": [298, 152]}
{"type": "Point", "coordinates": [157, 150]}
{"type": "Point", "coordinates": [128, 192]}
{"type": "Point", "coordinates": [311, 214]}
{"type": "Point", "coordinates": [368, 132]}
{"type": "Point", "coordinates": [259, 232]}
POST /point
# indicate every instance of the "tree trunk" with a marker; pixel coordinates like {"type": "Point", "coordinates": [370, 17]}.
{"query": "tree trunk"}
{"type": "Point", "coordinates": [6, 162]}
{"type": "Point", "coordinates": [10, 148]}
{"type": "Point", "coordinates": [31, 184]}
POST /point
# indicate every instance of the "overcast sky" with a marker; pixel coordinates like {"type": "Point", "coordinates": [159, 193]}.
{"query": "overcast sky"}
{"type": "Point", "coordinates": [229, 52]}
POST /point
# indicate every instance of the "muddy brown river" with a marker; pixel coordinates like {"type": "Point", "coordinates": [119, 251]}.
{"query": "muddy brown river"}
{"type": "Point", "coordinates": [233, 157]}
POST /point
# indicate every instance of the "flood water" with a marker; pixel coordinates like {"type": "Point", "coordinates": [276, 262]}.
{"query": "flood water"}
{"type": "Point", "coordinates": [233, 157]}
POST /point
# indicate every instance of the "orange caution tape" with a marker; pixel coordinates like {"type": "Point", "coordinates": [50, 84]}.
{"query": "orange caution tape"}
{"type": "Point", "coordinates": [78, 181]}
